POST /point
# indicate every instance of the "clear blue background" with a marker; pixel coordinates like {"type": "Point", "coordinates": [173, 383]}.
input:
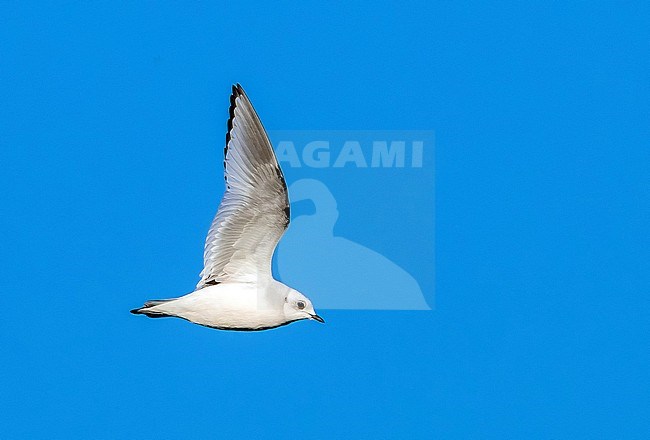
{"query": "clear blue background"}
{"type": "Point", "coordinates": [112, 118]}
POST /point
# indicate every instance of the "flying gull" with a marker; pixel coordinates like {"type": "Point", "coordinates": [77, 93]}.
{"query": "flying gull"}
{"type": "Point", "coordinates": [237, 290]}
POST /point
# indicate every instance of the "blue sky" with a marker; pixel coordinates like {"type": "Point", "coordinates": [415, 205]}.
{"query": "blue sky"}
{"type": "Point", "coordinates": [111, 128]}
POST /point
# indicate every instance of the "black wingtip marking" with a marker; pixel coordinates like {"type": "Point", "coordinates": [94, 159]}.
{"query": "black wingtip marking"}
{"type": "Point", "coordinates": [287, 214]}
{"type": "Point", "coordinates": [231, 115]}
{"type": "Point", "coordinates": [236, 92]}
{"type": "Point", "coordinates": [278, 172]}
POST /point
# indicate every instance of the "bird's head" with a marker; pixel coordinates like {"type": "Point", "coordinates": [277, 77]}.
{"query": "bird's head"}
{"type": "Point", "coordinates": [297, 306]}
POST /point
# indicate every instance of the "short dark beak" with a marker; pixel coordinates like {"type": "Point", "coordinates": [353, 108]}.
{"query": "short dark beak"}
{"type": "Point", "coordinates": [317, 318]}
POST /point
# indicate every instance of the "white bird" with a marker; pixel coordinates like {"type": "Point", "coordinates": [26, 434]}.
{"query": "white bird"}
{"type": "Point", "coordinates": [237, 290]}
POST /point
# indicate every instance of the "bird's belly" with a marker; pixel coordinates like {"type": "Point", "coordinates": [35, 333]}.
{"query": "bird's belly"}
{"type": "Point", "coordinates": [239, 320]}
{"type": "Point", "coordinates": [229, 307]}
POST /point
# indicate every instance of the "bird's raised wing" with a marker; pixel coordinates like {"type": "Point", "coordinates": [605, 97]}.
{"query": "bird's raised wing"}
{"type": "Point", "coordinates": [254, 211]}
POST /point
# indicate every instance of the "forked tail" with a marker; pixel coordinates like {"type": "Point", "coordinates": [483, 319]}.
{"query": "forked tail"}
{"type": "Point", "coordinates": [146, 309]}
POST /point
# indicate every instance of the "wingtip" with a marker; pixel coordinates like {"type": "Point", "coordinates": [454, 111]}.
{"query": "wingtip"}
{"type": "Point", "coordinates": [231, 115]}
{"type": "Point", "coordinates": [238, 90]}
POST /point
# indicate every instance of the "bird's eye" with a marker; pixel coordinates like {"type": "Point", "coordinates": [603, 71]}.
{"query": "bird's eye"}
{"type": "Point", "coordinates": [301, 305]}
